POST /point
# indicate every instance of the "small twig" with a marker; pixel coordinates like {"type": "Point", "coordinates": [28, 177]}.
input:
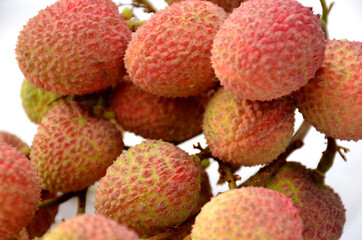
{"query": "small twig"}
{"type": "Point", "coordinates": [57, 200]}
{"type": "Point", "coordinates": [324, 19]}
{"type": "Point", "coordinates": [147, 5]}
{"type": "Point", "coordinates": [82, 200]}
{"type": "Point", "coordinates": [227, 174]}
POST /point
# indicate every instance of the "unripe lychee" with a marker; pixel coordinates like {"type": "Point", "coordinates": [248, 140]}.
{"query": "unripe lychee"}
{"type": "Point", "coordinates": [169, 55]}
{"type": "Point", "coordinates": [74, 46]}
{"type": "Point", "coordinates": [248, 213]}
{"type": "Point", "coordinates": [228, 5]}
{"type": "Point", "coordinates": [155, 117]}
{"type": "Point", "coordinates": [86, 227]}
{"type": "Point", "coordinates": [244, 132]}
{"type": "Point", "coordinates": [43, 218]}
{"type": "Point", "coordinates": [320, 208]}
{"type": "Point", "coordinates": [72, 149]}
{"type": "Point", "coordinates": [20, 188]}
{"type": "Point", "coordinates": [268, 48]}
{"type": "Point", "coordinates": [37, 102]}
{"type": "Point", "coordinates": [152, 186]}
{"type": "Point", "coordinates": [15, 141]}
{"type": "Point", "coordinates": [332, 101]}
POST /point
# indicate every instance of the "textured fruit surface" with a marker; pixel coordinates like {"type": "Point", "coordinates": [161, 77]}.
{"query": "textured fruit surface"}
{"type": "Point", "coordinates": [248, 213]}
{"type": "Point", "coordinates": [243, 132]}
{"type": "Point", "coordinates": [74, 46]}
{"type": "Point", "coordinates": [36, 102]}
{"type": "Point", "coordinates": [20, 188]}
{"type": "Point", "coordinates": [15, 141]}
{"type": "Point", "coordinates": [72, 149]}
{"type": "Point", "coordinates": [152, 186]}
{"type": "Point", "coordinates": [155, 117]}
{"type": "Point", "coordinates": [228, 5]}
{"type": "Point", "coordinates": [320, 208]}
{"type": "Point", "coordinates": [22, 235]}
{"type": "Point", "coordinates": [332, 101]}
{"type": "Point", "coordinates": [86, 227]}
{"type": "Point", "coordinates": [268, 48]}
{"type": "Point", "coordinates": [43, 218]}
{"type": "Point", "coordinates": [169, 55]}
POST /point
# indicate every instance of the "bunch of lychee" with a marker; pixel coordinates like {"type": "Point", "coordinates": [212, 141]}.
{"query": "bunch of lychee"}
{"type": "Point", "coordinates": [232, 70]}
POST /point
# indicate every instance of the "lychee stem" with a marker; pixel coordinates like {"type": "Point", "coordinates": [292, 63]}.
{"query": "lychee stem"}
{"type": "Point", "coordinates": [57, 200]}
{"type": "Point", "coordinates": [227, 174]}
{"type": "Point", "coordinates": [325, 13]}
{"type": "Point", "coordinates": [82, 200]}
{"type": "Point", "coordinates": [148, 5]}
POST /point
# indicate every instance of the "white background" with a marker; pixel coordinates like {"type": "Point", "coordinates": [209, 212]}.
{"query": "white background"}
{"type": "Point", "coordinates": [345, 177]}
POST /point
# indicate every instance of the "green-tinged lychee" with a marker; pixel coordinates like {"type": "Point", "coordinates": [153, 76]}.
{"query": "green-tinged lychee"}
{"type": "Point", "coordinates": [228, 5]}
{"type": "Point", "coordinates": [86, 227]}
{"type": "Point", "coordinates": [15, 141]}
{"type": "Point", "coordinates": [74, 46]}
{"type": "Point", "coordinates": [22, 235]}
{"type": "Point", "coordinates": [37, 102]}
{"type": "Point", "coordinates": [152, 186]}
{"type": "Point", "coordinates": [248, 213]}
{"type": "Point", "coordinates": [320, 208]}
{"type": "Point", "coordinates": [155, 117]}
{"type": "Point", "coordinates": [332, 101]}
{"type": "Point", "coordinates": [72, 149]}
{"type": "Point", "coordinates": [169, 55]}
{"type": "Point", "coordinates": [268, 48]}
{"type": "Point", "coordinates": [43, 218]}
{"type": "Point", "coordinates": [20, 188]}
{"type": "Point", "coordinates": [244, 132]}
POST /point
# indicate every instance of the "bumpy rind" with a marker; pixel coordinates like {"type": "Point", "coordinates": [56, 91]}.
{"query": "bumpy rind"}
{"type": "Point", "coordinates": [85, 227]}
{"type": "Point", "coordinates": [74, 46]}
{"type": "Point", "coordinates": [154, 185]}
{"type": "Point", "coordinates": [37, 102]}
{"type": "Point", "coordinates": [332, 101]}
{"type": "Point", "coordinates": [248, 213]}
{"type": "Point", "coordinates": [320, 208]}
{"type": "Point", "coordinates": [247, 133]}
{"type": "Point", "coordinates": [228, 5]}
{"type": "Point", "coordinates": [15, 141]}
{"type": "Point", "coordinates": [169, 55]}
{"type": "Point", "coordinates": [268, 48]}
{"type": "Point", "coordinates": [20, 188]}
{"type": "Point", "coordinates": [72, 149]}
{"type": "Point", "coordinates": [155, 117]}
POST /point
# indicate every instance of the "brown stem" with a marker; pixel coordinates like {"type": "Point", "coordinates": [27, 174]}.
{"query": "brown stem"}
{"type": "Point", "coordinates": [147, 4]}
{"type": "Point", "coordinates": [328, 156]}
{"type": "Point", "coordinates": [57, 200]}
{"type": "Point", "coordinates": [82, 200]}
{"type": "Point", "coordinates": [227, 174]}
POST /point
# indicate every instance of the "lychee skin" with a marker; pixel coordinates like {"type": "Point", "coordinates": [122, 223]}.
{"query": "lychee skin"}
{"type": "Point", "coordinates": [15, 141]}
{"type": "Point", "coordinates": [22, 235]}
{"type": "Point", "coordinates": [37, 102]}
{"type": "Point", "coordinates": [72, 149]}
{"type": "Point", "coordinates": [152, 186]}
{"type": "Point", "coordinates": [332, 101]}
{"type": "Point", "coordinates": [169, 55]}
{"type": "Point", "coordinates": [248, 213]}
{"type": "Point", "coordinates": [320, 208]}
{"type": "Point", "coordinates": [155, 117]}
{"type": "Point", "coordinates": [74, 47]}
{"type": "Point", "coordinates": [247, 133]}
{"type": "Point", "coordinates": [228, 5]}
{"type": "Point", "coordinates": [20, 188]}
{"type": "Point", "coordinates": [267, 49]}
{"type": "Point", "coordinates": [85, 227]}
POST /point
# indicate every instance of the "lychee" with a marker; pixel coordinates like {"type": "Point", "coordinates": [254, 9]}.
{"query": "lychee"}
{"type": "Point", "coordinates": [15, 141]}
{"type": "Point", "coordinates": [169, 55]}
{"type": "Point", "coordinates": [37, 102]}
{"type": "Point", "coordinates": [155, 117]}
{"type": "Point", "coordinates": [85, 227]}
{"type": "Point", "coordinates": [74, 46]}
{"type": "Point", "coordinates": [43, 218]}
{"type": "Point", "coordinates": [248, 213]}
{"type": "Point", "coordinates": [22, 235]}
{"type": "Point", "coordinates": [72, 149]}
{"type": "Point", "coordinates": [228, 5]}
{"type": "Point", "coordinates": [332, 101]}
{"type": "Point", "coordinates": [20, 188]}
{"type": "Point", "coordinates": [244, 132]}
{"type": "Point", "coordinates": [152, 186]}
{"type": "Point", "coordinates": [267, 49]}
{"type": "Point", "coordinates": [320, 208]}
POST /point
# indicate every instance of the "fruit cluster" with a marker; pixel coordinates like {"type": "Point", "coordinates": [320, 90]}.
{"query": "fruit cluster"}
{"type": "Point", "coordinates": [234, 71]}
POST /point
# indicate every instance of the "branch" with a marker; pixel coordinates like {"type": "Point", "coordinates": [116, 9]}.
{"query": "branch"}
{"type": "Point", "coordinates": [57, 200]}
{"type": "Point", "coordinates": [147, 5]}
{"type": "Point", "coordinates": [324, 19]}
{"type": "Point", "coordinates": [82, 200]}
